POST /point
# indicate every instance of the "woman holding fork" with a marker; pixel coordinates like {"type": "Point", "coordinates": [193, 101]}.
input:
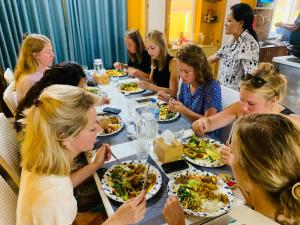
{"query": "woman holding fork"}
{"type": "Point", "coordinates": [200, 94]}
{"type": "Point", "coordinates": [60, 125]}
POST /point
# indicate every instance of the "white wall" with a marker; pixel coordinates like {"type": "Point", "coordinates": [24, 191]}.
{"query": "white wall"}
{"type": "Point", "coordinates": [230, 3]}
{"type": "Point", "coordinates": [156, 13]}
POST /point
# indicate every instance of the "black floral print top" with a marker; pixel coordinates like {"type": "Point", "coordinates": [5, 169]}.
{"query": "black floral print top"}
{"type": "Point", "coordinates": [237, 57]}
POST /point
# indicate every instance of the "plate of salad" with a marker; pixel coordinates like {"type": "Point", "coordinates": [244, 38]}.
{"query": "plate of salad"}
{"type": "Point", "coordinates": [203, 152]}
{"type": "Point", "coordinates": [201, 193]}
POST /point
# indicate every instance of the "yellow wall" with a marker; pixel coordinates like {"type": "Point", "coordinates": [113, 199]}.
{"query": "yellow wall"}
{"type": "Point", "coordinates": [250, 2]}
{"type": "Point", "coordinates": [136, 15]}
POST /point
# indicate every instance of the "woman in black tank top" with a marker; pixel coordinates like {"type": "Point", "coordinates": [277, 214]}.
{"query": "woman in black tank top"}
{"type": "Point", "coordinates": [164, 74]}
{"type": "Point", "coordinates": [139, 64]}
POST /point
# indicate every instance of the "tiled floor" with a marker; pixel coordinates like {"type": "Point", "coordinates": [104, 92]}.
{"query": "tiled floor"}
{"type": "Point", "coordinates": [292, 99]}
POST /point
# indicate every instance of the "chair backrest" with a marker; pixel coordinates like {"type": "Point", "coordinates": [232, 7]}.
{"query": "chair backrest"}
{"type": "Point", "coordinates": [9, 150]}
{"type": "Point", "coordinates": [8, 76]}
{"type": "Point", "coordinates": [228, 96]}
{"type": "Point", "coordinates": [8, 202]}
{"type": "Point", "coordinates": [10, 97]}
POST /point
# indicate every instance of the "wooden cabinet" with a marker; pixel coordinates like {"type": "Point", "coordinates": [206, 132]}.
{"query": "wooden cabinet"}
{"type": "Point", "coordinates": [266, 53]}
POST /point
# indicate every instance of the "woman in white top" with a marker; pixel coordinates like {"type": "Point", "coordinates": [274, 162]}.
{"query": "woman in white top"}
{"type": "Point", "coordinates": [35, 57]}
{"type": "Point", "coordinates": [60, 125]}
{"type": "Point", "coordinates": [241, 54]}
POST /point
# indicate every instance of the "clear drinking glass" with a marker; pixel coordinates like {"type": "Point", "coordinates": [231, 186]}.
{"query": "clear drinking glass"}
{"type": "Point", "coordinates": [114, 81]}
{"type": "Point", "coordinates": [85, 68]}
{"type": "Point", "coordinates": [143, 148]}
{"type": "Point", "coordinates": [131, 123]}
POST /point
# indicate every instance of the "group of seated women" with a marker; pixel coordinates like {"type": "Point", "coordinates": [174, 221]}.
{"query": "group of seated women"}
{"type": "Point", "coordinates": [57, 121]}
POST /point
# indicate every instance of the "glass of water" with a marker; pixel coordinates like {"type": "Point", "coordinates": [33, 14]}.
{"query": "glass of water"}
{"type": "Point", "coordinates": [114, 81]}
{"type": "Point", "coordinates": [85, 68]}
{"type": "Point", "coordinates": [143, 148]}
{"type": "Point", "coordinates": [131, 123]}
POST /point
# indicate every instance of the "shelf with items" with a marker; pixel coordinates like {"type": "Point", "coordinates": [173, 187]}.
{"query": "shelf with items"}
{"type": "Point", "coordinates": [211, 21]}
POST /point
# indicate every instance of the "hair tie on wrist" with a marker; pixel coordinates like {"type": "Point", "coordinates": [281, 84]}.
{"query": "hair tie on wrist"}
{"type": "Point", "coordinates": [296, 191]}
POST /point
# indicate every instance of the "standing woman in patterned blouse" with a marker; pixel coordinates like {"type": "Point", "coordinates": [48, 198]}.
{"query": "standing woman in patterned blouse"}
{"type": "Point", "coordinates": [164, 69]}
{"type": "Point", "coordinates": [241, 54]}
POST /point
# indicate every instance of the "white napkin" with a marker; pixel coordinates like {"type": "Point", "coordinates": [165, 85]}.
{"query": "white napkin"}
{"type": "Point", "coordinates": [168, 137]}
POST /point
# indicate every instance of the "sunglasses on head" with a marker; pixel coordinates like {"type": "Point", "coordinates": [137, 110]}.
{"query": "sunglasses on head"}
{"type": "Point", "coordinates": [256, 82]}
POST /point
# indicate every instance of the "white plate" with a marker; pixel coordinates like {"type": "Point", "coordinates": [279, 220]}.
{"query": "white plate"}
{"type": "Point", "coordinates": [117, 131]}
{"type": "Point", "coordinates": [138, 90]}
{"type": "Point", "coordinates": [222, 188]}
{"type": "Point", "coordinates": [108, 189]}
{"type": "Point", "coordinates": [171, 119]}
{"type": "Point", "coordinates": [94, 90]}
{"type": "Point", "coordinates": [123, 75]}
{"type": "Point", "coordinates": [205, 162]}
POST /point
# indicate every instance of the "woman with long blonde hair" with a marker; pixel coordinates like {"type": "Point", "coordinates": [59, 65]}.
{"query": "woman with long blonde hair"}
{"type": "Point", "coordinates": [260, 92]}
{"type": "Point", "coordinates": [35, 57]}
{"type": "Point", "coordinates": [59, 126]}
{"type": "Point", "coordinates": [164, 74]}
{"type": "Point", "coordinates": [265, 163]}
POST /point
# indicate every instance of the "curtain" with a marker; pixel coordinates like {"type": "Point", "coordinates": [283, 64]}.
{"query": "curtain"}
{"type": "Point", "coordinates": [80, 30]}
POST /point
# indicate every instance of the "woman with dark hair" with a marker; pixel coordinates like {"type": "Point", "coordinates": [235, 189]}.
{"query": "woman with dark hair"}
{"type": "Point", "coordinates": [64, 73]}
{"type": "Point", "coordinates": [241, 54]}
{"type": "Point", "coordinates": [139, 64]}
{"type": "Point", "coordinates": [164, 68]}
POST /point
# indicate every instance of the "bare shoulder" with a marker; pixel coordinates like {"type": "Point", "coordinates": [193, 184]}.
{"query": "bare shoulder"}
{"type": "Point", "coordinates": [173, 62]}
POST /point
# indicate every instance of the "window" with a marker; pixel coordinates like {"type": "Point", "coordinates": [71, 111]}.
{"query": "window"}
{"type": "Point", "coordinates": [285, 11]}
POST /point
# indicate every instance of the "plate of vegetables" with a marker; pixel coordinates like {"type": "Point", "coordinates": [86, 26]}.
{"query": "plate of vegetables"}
{"type": "Point", "coordinates": [114, 125]}
{"type": "Point", "coordinates": [116, 73]}
{"type": "Point", "coordinates": [94, 90]}
{"type": "Point", "coordinates": [125, 181]}
{"type": "Point", "coordinates": [201, 193]}
{"type": "Point", "coordinates": [165, 114]}
{"type": "Point", "coordinates": [130, 88]}
{"type": "Point", "coordinates": [203, 152]}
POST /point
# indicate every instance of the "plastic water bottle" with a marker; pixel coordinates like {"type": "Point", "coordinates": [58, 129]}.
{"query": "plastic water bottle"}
{"type": "Point", "coordinates": [153, 108]}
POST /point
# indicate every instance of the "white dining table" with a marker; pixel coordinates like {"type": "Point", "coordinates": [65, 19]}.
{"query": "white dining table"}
{"type": "Point", "coordinates": [238, 215]}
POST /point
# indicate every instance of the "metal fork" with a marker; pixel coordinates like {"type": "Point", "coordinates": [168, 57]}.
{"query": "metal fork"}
{"type": "Point", "coordinates": [146, 178]}
{"type": "Point", "coordinates": [114, 156]}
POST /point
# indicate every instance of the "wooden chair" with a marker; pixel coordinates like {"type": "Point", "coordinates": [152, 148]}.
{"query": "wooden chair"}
{"type": "Point", "coordinates": [8, 76]}
{"type": "Point", "coordinates": [10, 97]}
{"type": "Point", "coordinates": [228, 96]}
{"type": "Point", "coordinates": [8, 201]}
{"type": "Point", "coordinates": [9, 150]}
